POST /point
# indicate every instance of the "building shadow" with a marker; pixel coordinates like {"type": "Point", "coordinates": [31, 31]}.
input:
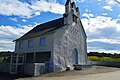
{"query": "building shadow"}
{"type": "Point", "coordinates": [7, 76]}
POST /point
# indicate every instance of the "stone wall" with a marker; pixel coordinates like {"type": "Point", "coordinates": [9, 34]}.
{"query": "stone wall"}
{"type": "Point", "coordinates": [65, 40]}
{"type": "Point", "coordinates": [34, 69]}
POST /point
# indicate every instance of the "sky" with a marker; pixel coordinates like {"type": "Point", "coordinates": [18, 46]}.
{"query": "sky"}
{"type": "Point", "coordinates": [100, 19]}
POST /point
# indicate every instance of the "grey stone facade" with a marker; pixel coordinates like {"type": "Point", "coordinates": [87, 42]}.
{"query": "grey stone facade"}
{"type": "Point", "coordinates": [68, 38]}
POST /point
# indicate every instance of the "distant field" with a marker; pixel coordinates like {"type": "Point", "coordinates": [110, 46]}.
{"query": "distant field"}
{"type": "Point", "coordinates": [109, 59]}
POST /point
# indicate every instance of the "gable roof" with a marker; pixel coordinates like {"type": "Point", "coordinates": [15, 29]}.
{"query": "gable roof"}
{"type": "Point", "coordinates": [44, 28]}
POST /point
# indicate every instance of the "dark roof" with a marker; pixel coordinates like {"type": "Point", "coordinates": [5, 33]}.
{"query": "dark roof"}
{"type": "Point", "coordinates": [44, 28]}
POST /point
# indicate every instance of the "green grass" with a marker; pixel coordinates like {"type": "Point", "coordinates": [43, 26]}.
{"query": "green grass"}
{"type": "Point", "coordinates": [3, 58]}
{"type": "Point", "coordinates": [108, 59]}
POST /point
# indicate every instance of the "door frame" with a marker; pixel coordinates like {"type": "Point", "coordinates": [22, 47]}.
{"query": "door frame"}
{"type": "Point", "coordinates": [75, 56]}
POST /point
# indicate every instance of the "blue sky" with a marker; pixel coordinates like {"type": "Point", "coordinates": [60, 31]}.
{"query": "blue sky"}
{"type": "Point", "coordinates": [100, 18]}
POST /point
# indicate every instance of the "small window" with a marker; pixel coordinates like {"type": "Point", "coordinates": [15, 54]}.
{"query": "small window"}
{"type": "Point", "coordinates": [21, 45]}
{"type": "Point", "coordinates": [42, 41]}
{"type": "Point", "coordinates": [30, 43]}
{"type": "Point", "coordinates": [74, 18]}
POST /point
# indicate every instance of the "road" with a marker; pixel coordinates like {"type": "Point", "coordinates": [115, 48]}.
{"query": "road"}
{"type": "Point", "coordinates": [100, 76]}
{"type": "Point", "coordinates": [85, 75]}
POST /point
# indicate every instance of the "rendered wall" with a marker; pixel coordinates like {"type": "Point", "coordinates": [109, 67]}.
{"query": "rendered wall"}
{"type": "Point", "coordinates": [36, 47]}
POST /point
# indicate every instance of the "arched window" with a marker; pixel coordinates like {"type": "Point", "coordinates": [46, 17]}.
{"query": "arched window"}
{"type": "Point", "coordinates": [75, 56]}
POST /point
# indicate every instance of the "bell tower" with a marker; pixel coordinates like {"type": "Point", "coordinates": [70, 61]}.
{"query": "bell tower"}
{"type": "Point", "coordinates": [68, 6]}
{"type": "Point", "coordinates": [71, 12]}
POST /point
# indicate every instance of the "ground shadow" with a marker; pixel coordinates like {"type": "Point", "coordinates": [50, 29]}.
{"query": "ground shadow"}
{"type": "Point", "coordinates": [7, 76]}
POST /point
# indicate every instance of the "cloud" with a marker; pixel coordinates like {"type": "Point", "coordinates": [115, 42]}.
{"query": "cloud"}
{"type": "Point", "coordinates": [24, 9]}
{"type": "Point", "coordinates": [108, 8]}
{"type": "Point", "coordinates": [45, 6]}
{"type": "Point", "coordinates": [102, 33]}
{"type": "Point", "coordinates": [100, 22]}
{"type": "Point", "coordinates": [105, 40]}
{"type": "Point", "coordinates": [15, 7]}
{"type": "Point", "coordinates": [119, 15]}
{"type": "Point", "coordinates": [13, 19]}
{"type": "Point", "coordinates": [24, 20]}
{"type": "Point", "coordinates": [104, 14]}
{"type": "Point", "coordinates": [79, 1]}
{"type": "Point", "coordinates": [10, 33]}
{"type": "Point", "coordinates": [111, 2]}
{"type": "Point", "coordinates": [88, 15]}
{"type": "Point", "coordinates": [104, 46]}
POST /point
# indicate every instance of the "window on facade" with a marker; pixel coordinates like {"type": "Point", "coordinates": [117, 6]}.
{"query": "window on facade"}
{"type": "Point", "coordinates": [74, 18]}
{"type": "Point", "coordinates": [42, 41]}
{"type": "Point", "coordinates": [30, 43]}
{"type": "Point", "coordinates": [21, 45]}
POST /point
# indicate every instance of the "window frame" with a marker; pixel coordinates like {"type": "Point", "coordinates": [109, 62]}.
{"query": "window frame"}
{"type": "Point", "coordinates": [30, 43]}
{"type": "Point", "coordinates": [21, 45]}
{"type": "Point", "coordinates": [42, 41]}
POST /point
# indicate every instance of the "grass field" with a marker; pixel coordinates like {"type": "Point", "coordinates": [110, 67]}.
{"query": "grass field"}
{"type": "Point", "coordinates": [109, 59]}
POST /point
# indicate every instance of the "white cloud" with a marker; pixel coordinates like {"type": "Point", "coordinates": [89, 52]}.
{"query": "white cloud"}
{"type": "Point", "coordinates": [24, 20]}
{"type": "Point", "coordinates": [119, 15]}
{"type": "Point", "coordinates": [10, 33]}
{"type": "Point", "coordinates": [88, 15]}
{"type": "Point", "coordinates": [37, 13]}
{"type": "Point", "coordinates": [87, 10]}
{"type": "Point", "coordinates": [100, 22]}
{"type": "Point", "coordinates": [111, 2]}
{"type": "Point", "coordinates": [108, 8]}
{"type": "Point", "coordinates": [45, 6]}
{"type": "Point", "coordinates": [13, 19]}
{"type": "Point", "coordinates": [105, 14]}
{"type": "Point", "coordinates": [80, 1]}
{"type": "Point", "coordinates": [99, 0]}
{"type": "Point", "coordinates": [103, 33]}
{"type": "Point", "coordinates": [96, 49]}
{"type": "Point", "coordinates": [105, 40]}
{"type": "Point", "coordinates": [15, 7]}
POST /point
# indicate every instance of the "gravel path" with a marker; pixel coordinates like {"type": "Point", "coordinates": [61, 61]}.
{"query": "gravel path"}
{"type": "Point", "coordinates": [94, 73]}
